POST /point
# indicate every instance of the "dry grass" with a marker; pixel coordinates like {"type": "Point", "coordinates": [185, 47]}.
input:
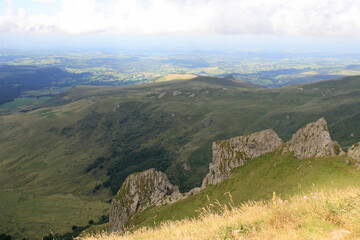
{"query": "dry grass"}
{"type": "Point", "coordinates": [317, 215]}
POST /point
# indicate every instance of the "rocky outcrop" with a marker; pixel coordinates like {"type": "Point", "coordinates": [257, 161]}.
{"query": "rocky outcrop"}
{"type": "Point", "coordinates": [313, 140]}
{"type": "Point", "coordinates": [151, 187]}
{"type": "Point", "coordinates": [354, 151]}
{"type": "Point", "coordinates": [138, 192]}
{"type": "Point", "coordinates": [232, 153]}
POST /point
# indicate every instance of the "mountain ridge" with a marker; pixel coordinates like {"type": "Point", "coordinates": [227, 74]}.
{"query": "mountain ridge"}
{"type": "Point", "coordinates": [233, 153]}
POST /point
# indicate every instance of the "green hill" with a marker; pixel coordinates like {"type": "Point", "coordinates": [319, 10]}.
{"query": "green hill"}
{"type": "Point", "coordinates": [257, 180]}
{"type": "Point", "coordinates": [60, 164]}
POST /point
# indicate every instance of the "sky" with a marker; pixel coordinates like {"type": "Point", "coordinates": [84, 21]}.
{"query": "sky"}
{"type": "Point", "coordinates": [328, 25]}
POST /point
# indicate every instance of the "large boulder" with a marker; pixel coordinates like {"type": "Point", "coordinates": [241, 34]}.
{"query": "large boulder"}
{"type": "Point", "coordinates": [234, 152]}
{"type": "Point", "coordinates": [138, 192]}
{"type": "Point", "coordinates": [354, 151]}
{"type": "Point", "coordinates": [313, 140]}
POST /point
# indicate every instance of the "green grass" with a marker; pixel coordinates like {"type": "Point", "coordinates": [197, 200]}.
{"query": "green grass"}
{"type": "Point", "coordinates": [31, 215]}
{"type": "Point", "coordinates": [49, 174]}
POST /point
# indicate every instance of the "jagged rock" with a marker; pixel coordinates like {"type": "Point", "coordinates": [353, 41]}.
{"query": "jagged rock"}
{"type": "Point", "coordinates": [354, 151]}
{"type": "Point", "coordinates": [313, 140]}
{"type": "Point", "coordinates": [138, 192]}
{"type": "Point", "coordinates": [232, 153]}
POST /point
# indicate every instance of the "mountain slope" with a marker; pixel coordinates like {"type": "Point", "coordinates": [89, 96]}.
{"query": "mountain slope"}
{"type": "Point", "coordinates": [69, 148]}
{"type": "Point", "coordinates": [257, 180]}
{"type": "Point", "coordinates": [317, 215]}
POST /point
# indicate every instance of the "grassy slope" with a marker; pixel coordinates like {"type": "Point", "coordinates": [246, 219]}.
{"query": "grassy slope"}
{"type": "Point", "coordinates": [30, 215]}
{"type": "Point", "coordinates": [318, 215]}
{"type": "Point", "coordinates": [37, 160]}
{"type": "Point", "coordinates": [40, 177]}
{"type": "Point", "coordinates": [257, 180]}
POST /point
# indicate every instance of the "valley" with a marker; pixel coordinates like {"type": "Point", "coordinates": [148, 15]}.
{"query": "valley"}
{"type": "Point", "coordinates": [78, 148]}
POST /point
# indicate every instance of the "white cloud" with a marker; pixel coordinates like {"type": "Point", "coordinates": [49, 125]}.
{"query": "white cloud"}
{"type": "Point", "coordinates": [80, 16]}
{"type": "Point", "coordinates": [9, 2]}
{"type": "Point", "coordinates": [19, 21]}
{"type": "Point", "coordinates": [43, 1]}
{"type": "Point", "coordinates": [161, 16]}
{"type": "Point", "coordinates": [317, 18]}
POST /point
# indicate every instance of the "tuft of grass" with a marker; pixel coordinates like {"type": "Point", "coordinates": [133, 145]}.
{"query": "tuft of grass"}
{"type": "Point", "coordinates": [333, 214]}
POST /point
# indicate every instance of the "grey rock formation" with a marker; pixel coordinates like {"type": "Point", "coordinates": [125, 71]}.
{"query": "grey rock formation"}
{"type": "Point", "coordinates": [313, 140]}
{"type": "Point", "coordinates": [232, 153]}
{"type": "Point", "coordinates": [138, 192]}
{"type": "Point", "coordinates": [354, 151]}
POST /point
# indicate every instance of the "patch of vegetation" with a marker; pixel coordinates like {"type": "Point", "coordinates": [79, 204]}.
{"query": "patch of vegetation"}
{"type": "Point", "coordinates": [191, 172]}
{"type": "Point", "coordinates": [129, 162]}
{"type": "Point", "coordinates": [37, 214]}
{"type": "Point", "coordinates": [97, 163]}
{"type": "Point", "coordinates": [77, 230]}
{"type": "Point", "coordinates": [337, 149]}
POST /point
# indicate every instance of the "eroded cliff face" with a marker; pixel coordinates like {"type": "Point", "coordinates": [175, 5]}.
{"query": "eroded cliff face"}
{"type": "Point", "coordinates": [138, 192]}
{"type": "Point", "coordinates": [234, 152]}
{"type": "Point", "coordinates": [313, 140]}
{"type": "Point", "coordinates": [354, 151]}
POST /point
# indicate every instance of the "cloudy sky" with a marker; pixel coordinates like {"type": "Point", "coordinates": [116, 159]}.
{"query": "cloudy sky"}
{"type": "Point", "coordinates": [336, 21]}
